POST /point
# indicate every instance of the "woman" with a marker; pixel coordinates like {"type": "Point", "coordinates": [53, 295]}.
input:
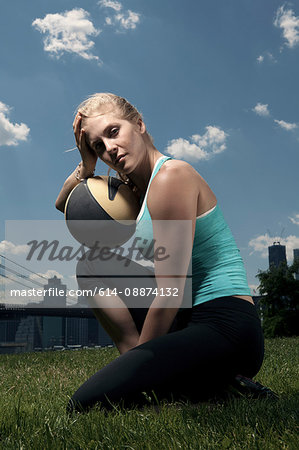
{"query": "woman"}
{"type": "Point", "coordinates": [172, 351]}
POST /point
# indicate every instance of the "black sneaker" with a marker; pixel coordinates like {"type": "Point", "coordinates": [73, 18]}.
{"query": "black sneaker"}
{"type": "Point", "coordinates": [247, 387]}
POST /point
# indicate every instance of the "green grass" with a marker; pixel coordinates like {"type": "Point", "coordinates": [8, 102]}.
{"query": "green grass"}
{"type": "Point", "coordinates": [35, 387]}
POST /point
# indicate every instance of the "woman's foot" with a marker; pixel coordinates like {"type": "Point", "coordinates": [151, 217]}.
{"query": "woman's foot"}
{"type": "Point", "coordinates": [245, 386]}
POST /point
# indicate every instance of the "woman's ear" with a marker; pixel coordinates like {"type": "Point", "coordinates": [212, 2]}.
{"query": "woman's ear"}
{"type": "Point", "coordinates": [141, 126]}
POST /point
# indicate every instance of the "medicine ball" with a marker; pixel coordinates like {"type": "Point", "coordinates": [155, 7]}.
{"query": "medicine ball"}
{"type": "Point", "coordinates": [101, 211]}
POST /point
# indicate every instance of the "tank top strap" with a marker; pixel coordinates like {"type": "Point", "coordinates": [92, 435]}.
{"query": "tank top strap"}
{"type": "Point", "coordinates": [156, 169]}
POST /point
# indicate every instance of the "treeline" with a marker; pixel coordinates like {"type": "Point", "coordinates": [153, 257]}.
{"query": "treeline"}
{"type": "Point", "coordinates": [280, 300]}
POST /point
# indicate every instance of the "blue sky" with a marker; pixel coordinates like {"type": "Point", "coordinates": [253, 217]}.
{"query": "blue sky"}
{"type": "Point", "coordinates": [217, 83]}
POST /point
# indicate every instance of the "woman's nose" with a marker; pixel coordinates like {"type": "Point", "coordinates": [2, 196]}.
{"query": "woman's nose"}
{"type": "Point", "coordinates": [110, 147]}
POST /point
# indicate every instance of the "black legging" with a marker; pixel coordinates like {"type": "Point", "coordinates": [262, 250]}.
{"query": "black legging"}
{"type": "Point", "coordinates": [206, 347]}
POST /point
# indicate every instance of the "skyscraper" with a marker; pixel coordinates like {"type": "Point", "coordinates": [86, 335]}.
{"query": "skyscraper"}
{"type": "Point", "coordinates": [277, 254]}
{"type": "Point", "coordinates": [54, 327]}
{"type": "Point", "coordinates": [55, 293]}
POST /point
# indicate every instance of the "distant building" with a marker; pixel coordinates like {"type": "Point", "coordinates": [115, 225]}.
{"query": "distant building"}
{"type": "Point", "coordinates": [23, 330]}
{"type": "Point", "coordinates": [277, 254]}
{"type": "Point", "coordinates": [296, 257]}
{"type": "Point", "coordinates": [8, 329]}
{"type": "Point", "coordinates": [53, 331]}
{"type": "Point", "coordinates": [53, 328]}
{"type": "Point", "coordinates": [55, 293]}
{"type": "Point", "coordinates": [51, 324]}
{"type": "Point", "coordinates": [76, 331]}
{"type": "Point", "coordinates": [29, 333]}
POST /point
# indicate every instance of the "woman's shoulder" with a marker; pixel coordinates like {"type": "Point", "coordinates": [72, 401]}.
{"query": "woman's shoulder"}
{"type": "Point", "coordinates": [177, 178]}
{"type": "Point", "coordinates": [174, 176]}
{"type": "Point", "coordinates": [173, 191]}
{"type": "Point", "coordinates": [173, 167]}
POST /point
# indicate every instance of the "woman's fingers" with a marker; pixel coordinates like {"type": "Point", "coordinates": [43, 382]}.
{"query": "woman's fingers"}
{"type": "Point", "coordinates": [89, 157]}
{"type": "Point", "coordinates": [77, 128]}
{"type": "Point", "coordinates": [76, 120]}
{"type": "Point", "coordinates": [82, 142]}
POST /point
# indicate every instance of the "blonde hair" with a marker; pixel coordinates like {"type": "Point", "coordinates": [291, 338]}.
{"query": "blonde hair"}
{"type": "Point", "coordinates": [91, 106]}
{"type": "Point", "coordinates": [102, 100]}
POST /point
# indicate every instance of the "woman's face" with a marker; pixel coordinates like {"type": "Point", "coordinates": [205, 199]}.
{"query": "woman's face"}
{"type": "Point", "coordinates": [117, 142]}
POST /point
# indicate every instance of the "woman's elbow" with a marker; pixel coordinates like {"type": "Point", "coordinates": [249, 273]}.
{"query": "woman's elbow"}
{"type": "Point", "coordinates": [59, 205]}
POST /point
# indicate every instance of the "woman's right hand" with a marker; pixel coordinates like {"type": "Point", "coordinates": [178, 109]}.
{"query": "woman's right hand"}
{"type": "Point", "coordinates": [84, 170]}
{"type": "Point", "coordinates": [88, 156]}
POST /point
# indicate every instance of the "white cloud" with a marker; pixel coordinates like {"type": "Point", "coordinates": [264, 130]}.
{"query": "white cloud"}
{"type": "Point", "coordinates": [73, 277]}
{"type": "Point", "coordinates": [122, 21]}
{"type": "Point", "coordinates": [212, 142]}
{"type": "Point", "coordinates": [10, 133]}
{"type": "Point", "coordinates": [261, 109]}
{"type": "Point", "coordinates": [286, 125]}
{"type": "Point", "coordinates": [49, 274]}
{"type": "Point", "coordinates": [68, 32]}
{"type": "Point", "coordinates": [10, 247]}
{"type": "Point", "coordinates": [289, 23]}
{"type": "Point", "coordinates": [261, 243]}
{"type": "Point", "coordinates": [271, 57]}
{"type": "Point", "coordinates": [266, 56]}
{"type": "Point", "coordinates": [295, 220]}
{"type": "Point", "coordinates": [129, 20]}
{"type": "Point", "coordinates": [117, 6]}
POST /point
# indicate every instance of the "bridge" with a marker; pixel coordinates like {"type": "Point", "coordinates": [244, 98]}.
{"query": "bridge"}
{"type": "Point", "coordinates": [7, 313]}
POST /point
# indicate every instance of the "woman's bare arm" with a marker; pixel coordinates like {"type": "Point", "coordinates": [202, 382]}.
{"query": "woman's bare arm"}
{"type": "Point", "coordinates": [69, 184]}
{"type": "Point", "coordinates": [172, 206]}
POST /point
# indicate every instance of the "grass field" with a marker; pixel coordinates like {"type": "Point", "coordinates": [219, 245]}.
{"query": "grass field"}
{"type": "Point", "coordinates": [35, 387]}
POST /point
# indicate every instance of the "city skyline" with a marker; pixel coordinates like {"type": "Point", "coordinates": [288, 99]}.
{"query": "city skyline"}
{"type": "Point", "coordinates": [55, 293]}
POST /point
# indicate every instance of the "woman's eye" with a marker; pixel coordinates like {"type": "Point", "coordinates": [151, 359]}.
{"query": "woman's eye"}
{"type": "Point", "coordinates": [113, 131]}
{"type": "Point", "coordinates": [99, 145]}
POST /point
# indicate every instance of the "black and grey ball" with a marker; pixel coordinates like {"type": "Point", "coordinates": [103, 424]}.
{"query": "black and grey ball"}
{"type": "Point", "coordinates": [102, 211]}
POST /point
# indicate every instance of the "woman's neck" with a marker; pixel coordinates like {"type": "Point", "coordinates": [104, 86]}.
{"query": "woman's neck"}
{"type": "Point", "coordinates": [142, 178]}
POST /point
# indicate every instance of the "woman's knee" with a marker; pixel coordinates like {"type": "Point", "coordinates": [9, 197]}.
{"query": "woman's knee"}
{"type": "Point", "coordinates": [89, 273]}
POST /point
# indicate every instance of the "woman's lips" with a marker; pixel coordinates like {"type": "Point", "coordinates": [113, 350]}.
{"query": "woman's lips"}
{"type": "Point", "coordinates": [120, 159]}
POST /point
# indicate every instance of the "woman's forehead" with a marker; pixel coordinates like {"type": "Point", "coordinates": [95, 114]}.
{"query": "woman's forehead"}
{"type": "Point", "coordinates": [97, 125]}
{"type": "Point", "coordinates": [100, 120]}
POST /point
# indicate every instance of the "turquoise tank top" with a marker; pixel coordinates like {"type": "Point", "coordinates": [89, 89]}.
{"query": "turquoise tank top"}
{"type": "Point", "coordinates": [217, 266]}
